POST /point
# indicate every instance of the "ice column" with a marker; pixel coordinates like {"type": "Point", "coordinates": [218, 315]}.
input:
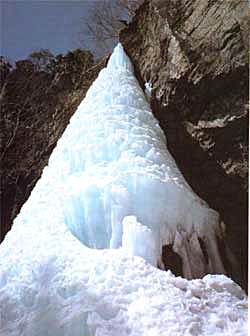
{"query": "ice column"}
{"type": "Point", "coordinates": [116, 164]}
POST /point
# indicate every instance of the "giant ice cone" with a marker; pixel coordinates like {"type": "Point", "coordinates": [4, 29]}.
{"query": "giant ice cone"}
{"type": "Point", "coordinates": [111, 194]}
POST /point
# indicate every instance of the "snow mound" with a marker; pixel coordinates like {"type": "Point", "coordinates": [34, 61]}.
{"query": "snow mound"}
{"type": "Point", "coordinates": [67, 289]}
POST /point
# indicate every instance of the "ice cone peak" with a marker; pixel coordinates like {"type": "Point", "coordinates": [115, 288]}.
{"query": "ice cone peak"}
{"type": "Point", "coordinates": [119, 60]}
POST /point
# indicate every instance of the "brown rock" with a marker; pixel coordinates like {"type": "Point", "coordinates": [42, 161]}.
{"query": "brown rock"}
{"type": "Point", "coordinates": [195, 55]}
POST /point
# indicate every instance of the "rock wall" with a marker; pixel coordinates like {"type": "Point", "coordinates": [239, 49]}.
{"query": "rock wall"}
{"type": "Point", "coordinates": [195, 55]}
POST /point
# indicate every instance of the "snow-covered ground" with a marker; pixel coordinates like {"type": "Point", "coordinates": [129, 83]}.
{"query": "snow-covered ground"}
{"type": "Point", "coordinates": [80, 257]}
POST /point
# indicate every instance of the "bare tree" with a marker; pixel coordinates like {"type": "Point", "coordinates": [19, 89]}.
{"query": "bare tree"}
{"type": "Point", "coordinates": [40, 58]}
{"type": "Point", "coordinates": [106, 18]}
{"type": "Point", "coordinates": [130, 6]}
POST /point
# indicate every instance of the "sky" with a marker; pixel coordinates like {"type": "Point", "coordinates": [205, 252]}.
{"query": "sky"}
{"type": "Point", "coordinates": [31, 25]}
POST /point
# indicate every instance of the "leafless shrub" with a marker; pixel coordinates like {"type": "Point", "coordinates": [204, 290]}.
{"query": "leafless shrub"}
{"type": "Point", "coordinates": [41, 58]}
{"type": "Point", "coordinates": [105, 19]}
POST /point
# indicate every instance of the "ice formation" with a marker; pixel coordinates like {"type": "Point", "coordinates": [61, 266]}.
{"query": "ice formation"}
{"type": "Point", "coordinates": [116, 164]}
{"type": "Point", "coordinates": [113, 184]}
{"type": "Point", "coordinates": [148, 90]}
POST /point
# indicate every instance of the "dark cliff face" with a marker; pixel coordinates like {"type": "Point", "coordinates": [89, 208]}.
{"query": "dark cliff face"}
{"type": "Point", "coordinates": [195, 55]}
{"type": "Point", "coordinates": [36, 107]}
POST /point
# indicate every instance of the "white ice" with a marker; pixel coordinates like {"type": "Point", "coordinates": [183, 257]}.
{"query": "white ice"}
{"type": "Point", "coordinates": [148, 90]}
{"type": "Point", "coordinates": [113, 184]}
{"type": "Point", "coordinates": [112, 162]}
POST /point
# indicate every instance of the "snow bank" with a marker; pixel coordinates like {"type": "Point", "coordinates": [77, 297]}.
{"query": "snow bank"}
{"type": "Point", "coordinates": [65, 289]}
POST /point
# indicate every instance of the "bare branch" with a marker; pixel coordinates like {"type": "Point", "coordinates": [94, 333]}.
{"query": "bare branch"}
{"type": "Point", "coordinates": [106, 18]}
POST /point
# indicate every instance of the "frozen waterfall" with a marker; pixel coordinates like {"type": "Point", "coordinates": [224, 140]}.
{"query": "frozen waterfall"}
{"type": "Point", "coordinates": [79, 259]}
{"type": "Point", "coordinates": [112, 162]}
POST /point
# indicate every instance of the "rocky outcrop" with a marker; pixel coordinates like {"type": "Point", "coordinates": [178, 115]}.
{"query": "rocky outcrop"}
{"type": "Point", "coordinates": [36, 107]}
{"type": "Point", "coordinates": [194, 53]}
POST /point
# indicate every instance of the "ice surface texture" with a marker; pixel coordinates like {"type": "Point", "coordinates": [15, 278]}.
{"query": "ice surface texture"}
{"type": "Point", "coordinates": [112, 183]}
{"type": "Point", "coordinates": [112, 162]}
